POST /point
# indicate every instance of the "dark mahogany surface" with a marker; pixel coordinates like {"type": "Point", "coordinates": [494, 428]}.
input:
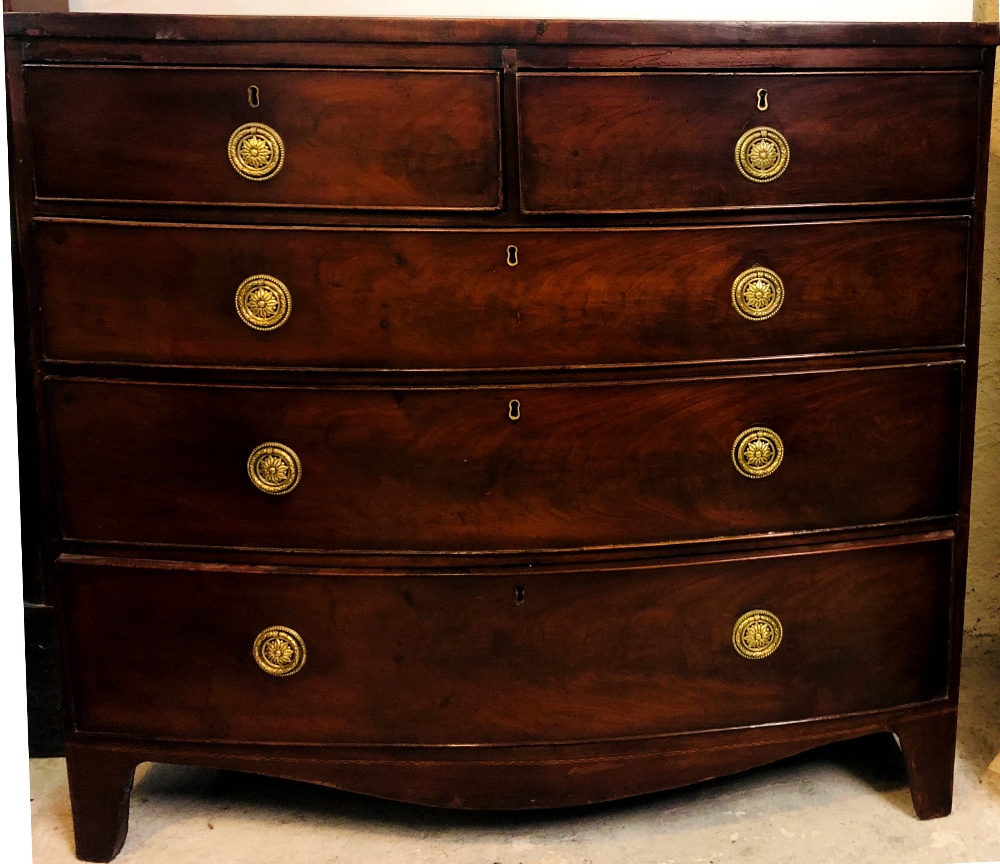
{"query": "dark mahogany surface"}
{"type": "Point", "coordinates": [247, 28]}
{"type": "Point", "coordinates": [527, 776]}
{"type": "Point", "coordinates": [448, 299]}
{"type": "Point", "coordinates": [417, 151]}
{"type": "Point", "coordinates": [663, 141]}
{"type": "Point", "coordinates": [441, 469]}
{"type": "Point", "coordinates": [352, 139]}
{"type": "Point", "coordinates": [458, 660]}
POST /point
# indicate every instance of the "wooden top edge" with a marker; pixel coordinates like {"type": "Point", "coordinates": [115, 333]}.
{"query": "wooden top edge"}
{"type": "Point", "coordinates": [217, 28]}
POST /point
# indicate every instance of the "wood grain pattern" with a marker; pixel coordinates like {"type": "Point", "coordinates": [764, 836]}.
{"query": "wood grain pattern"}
{"type": "Point", "coordinates": [100, 783]}
{"type": "Point", "coordinates": [410, 55]}
{"type": "Point", "coordinates": [660, 141]}
{"type": "Point", "coordinates": [417, 151]}
{"type": "Point", "coordinates": [220, 28]}
{"type": "Point", "coordinates": [352, 139]}
{"type": "Point", "coordinates": [928, 746]}
{"type": "Point", "coordinates": [457, 660]}
{"type": "Point", "coordinates": [688, 58]}
{"type": "Point", "coordinates": [530, 776]}
{"type": "Point", "coordinates": [597, 465]}
{"type": "Point", "coordinates": [449, 300]}
{"type": "Point", "coordinates": [324, 55]}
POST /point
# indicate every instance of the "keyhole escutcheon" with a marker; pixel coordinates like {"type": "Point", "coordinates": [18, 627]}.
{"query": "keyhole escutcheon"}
{"type": "Point", "coordinates": [514, 409]}
{"type": "Point", "coordinates": [511, 256]}
{"type": "Point", "coordinates": [253, 96]}
{"type": "Point", "coordinates": [762, 99]}
{"type": "Point", "coordinates": [519, 595]}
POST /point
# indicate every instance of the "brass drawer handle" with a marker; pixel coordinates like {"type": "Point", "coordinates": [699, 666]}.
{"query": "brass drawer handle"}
{"type": "Point", "coordinates": [256, 151]}
{"type": "Point", "coordinates": [762, 154]}
{"type": "Point", "coordinates": [263, 302]}
{"type": "Point", "coordinates": [758, 293]}
{"type": "Point", "coordinates": [274, 468]}
{"type": "Point", "coordinates": [757, 452]}
{"type": "Point", "coordinates": [757, 634]}
{"type": "Point", "coordinates": [279, 651]}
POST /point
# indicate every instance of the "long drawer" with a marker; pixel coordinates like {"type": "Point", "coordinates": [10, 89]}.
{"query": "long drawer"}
{"type": "Point", "coordinates": [464, 299]}
{"type": "Point", "coordinates": [315, 138]}
{"type": "Point", "coordinates": [547, 656]}
{"type": "Point", "coordinates": [505, 468]}
{"type": "Point", "coordinates": [628, 141]}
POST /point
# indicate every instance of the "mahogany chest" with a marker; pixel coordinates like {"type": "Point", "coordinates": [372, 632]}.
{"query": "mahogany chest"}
{"type": "Point", "coordinates": [499, 414]}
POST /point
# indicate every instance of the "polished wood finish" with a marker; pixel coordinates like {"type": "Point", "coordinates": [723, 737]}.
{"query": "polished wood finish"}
{"type": "Point", "coordinates": [100, 783]}
{"type": "Point", "coordinates": [618, 142]}
{"type": "Point", "coordinates": [713, 58]}
{"type": "Point", "coordinates": [218, 28]}
{"type": "Point", "coordinates": [596, 465]}
{"type": "Point", "coordinates": [928, 746]}
{"type": "Point", "coordinates": [387, 299]}
{"type": "Point", "coordinates": [584, 656]}
{"type": "Point", "coordinates": [574, 774]}
{"type": "Point", "coordinates": [586, 561]}
{"type": "Point", "coordinates": [352, 139]}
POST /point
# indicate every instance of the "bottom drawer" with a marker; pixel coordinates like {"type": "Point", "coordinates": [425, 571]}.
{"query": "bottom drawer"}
{"type": "Point", "coordinates": [161, 650]}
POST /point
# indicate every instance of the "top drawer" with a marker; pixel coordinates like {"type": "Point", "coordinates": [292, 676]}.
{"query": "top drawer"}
{"type": "Point", "coordinates": [643, 142]}
{"type": "Point", "coordinates": [365, 139]}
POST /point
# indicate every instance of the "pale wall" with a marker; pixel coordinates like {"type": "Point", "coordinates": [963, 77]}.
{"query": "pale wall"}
{"type": "Point", "coordinates": [983, 605]}
{"type": "Point", "coordinates": [706, 10]}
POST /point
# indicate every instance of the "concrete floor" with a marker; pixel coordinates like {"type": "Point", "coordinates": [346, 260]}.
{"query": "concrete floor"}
{"type": "Point", "coordinates": [844, 803]}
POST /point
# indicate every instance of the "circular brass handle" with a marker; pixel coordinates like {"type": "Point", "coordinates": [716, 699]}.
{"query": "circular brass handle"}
{"type": "Point", "coordinates": [762, 154]}
{"type": "Point", "coordinates": [279, 651]}
{"type": "Point", "coordinates": [757, 634]}
{"type": "Point", "coordinates": [274, 468]}
{"type": "Point", "coordinates": [757, 452]}
{"type": "Point", "coordinates": [256, 151]}
{"type": "Point", "coordinates": [263, 302]}
{"type": "Point", "coordinates": [758, 293]}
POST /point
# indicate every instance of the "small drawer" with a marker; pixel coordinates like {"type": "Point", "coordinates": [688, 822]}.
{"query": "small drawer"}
{"type": "Point", "coordinates": [233, 654]}
{"type": "Point", "coordinates": [310, 138]}
{"type": "Point", "coordinates": [505, 468]}
{"type": "Point", "coordinates": [646, 142]}
{"type": "Point", "coordinates": [389, 299]}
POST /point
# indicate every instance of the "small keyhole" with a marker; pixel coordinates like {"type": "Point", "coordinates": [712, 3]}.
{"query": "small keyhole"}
{"type": "Point", "coordinates": [762, 99]}
{"type": "Point", "coordinates": [253, 96]}
{"type": "Point", "coordinates": [514, 410]}
{"type": "Point", "coordinates": [519, 595]}
{"type": "Point", "coordinates": [511, 256]}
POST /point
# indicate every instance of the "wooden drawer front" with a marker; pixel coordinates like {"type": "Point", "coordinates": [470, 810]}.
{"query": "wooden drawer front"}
{"type": "Point", "coordinates": [440, 299]}
{"type": "Point", "coordinates": [445, 469]}
{"type": "Point", "coordinates": [376, 139]}
{"type": "Point", "coordinates": [455, 659]}
{"type": "Point", "coordinates": [647, 141]}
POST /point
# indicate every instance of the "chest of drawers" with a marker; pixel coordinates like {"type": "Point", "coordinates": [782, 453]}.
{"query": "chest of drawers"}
{"type": "Point", "coordinates": [499, 414]}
